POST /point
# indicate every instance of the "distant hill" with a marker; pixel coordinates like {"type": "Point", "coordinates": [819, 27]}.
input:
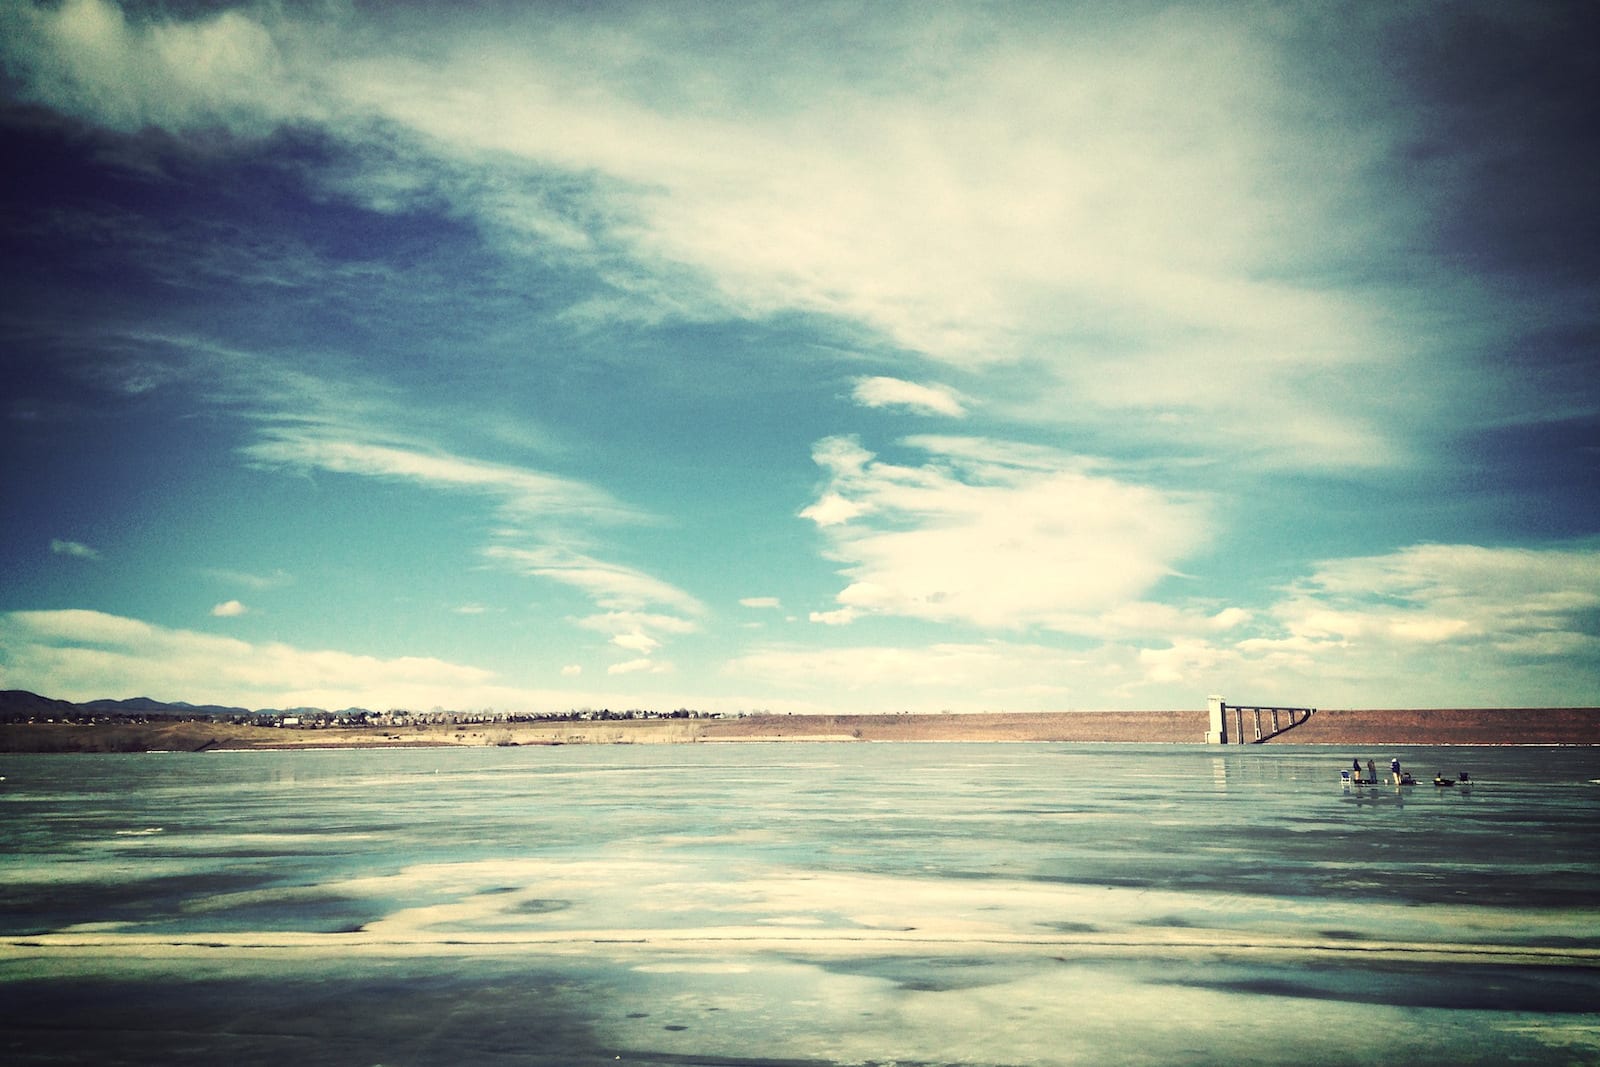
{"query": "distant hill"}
{"type": "Point", "coordinates": [21, 704]}
{"type": "Point", "coordinates": [18, 703]}
{"type": "Point", "coordinates": [147, 706]}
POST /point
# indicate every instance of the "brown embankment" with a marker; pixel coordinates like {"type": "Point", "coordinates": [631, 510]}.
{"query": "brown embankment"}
{"type": "Point", "coordinates": [997, 726]}
{"type": "Point", "coordinates": [1489, 726]}
{"type": "Point", "coordinates": [1435, 726]}
{"type": "Point", "coordinates": [1450, 726]}
{"type": "Point", "coordinates": [124, 737]}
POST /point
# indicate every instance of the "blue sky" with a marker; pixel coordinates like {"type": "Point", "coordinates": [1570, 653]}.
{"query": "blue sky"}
{"type": "Point", "coordinates": [827, 357]}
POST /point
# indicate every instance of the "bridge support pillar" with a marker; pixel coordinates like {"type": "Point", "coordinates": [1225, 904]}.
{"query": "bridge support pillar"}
{"type": "Point", "coordinates": [1217, 730]}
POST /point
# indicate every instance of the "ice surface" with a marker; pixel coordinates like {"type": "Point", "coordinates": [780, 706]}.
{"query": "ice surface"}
{"type": "Point", "coordinates": [819, 904]}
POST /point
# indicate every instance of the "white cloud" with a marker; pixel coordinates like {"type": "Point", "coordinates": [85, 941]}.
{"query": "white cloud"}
{"type": "Point", "coordinates": [1109, 226]}
{"type": "Point", "coordinates": [552, 512]}
{"type": "Point", "coordinates": [1152, 228]}
{"type": "Point", "coordinates": [229, 609]}
{"type": "Point", "coordinates": [638, 666]}
{"type": "Point", "coordinates": [760, 602]}
{"type": "Point", "coordinates": [977, 676]}
{"type": "Point", "coordinates": [1449, 594]}
{"type": "Point", "coordinates": [87, 56]}
{"type": "Point", "coordinates": [86, 627]}
{"type": "Point", "coordinates": [883, 392]}
{"type": "Point", "coordinates": [1426, 626]}
{"type": "Point", "coordinates": [1122, 203]}
{"type": "Point", "coordinates": [521, 492]}
{"type": "Point", "coordinates": [86, 655]}
{"type": "Point", "coordinates": [832, 509]}
{"type": "Point", "coordinates": [641, 643]}
{"type": "Point", "coordinates": [542, 522]}
{"type": "Point", "coordinates": [838, 617]}
{"type": "Point", "coordinates": [611, 585]}
{"type": "Point", "coordinates": [1467, 625]}
{"type": "Point", "coordinates": [251, 581]}
{"type": "Point", "coordinates": [82, 655]}
{"type": "Point", "coordinates": [986, 534]}
{"type": "Point", "coordinates": [1229, 618]}
{"type": "Point", "coordinates": [1186, 659]}
{"type": "Point", "coordinates": [621, 622]}
{"type": "Point", "coordinates": [75, 549]}
{"type": "Point", "coordinates": [357, 426]}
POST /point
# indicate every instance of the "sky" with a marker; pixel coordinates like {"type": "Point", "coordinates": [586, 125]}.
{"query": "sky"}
{"type": "Point", "coordinates": [800, 357]}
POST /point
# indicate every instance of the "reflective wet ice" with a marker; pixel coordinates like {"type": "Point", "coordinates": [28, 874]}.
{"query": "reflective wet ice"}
{"type": "Point", "coordinates": [809, 903]}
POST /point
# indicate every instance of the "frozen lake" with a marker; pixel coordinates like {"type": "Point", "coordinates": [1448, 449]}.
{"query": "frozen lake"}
{"type": "Point", "coordinates": [799, 904]}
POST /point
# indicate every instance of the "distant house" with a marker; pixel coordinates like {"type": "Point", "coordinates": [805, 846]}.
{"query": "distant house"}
{"type": "Point", "coordinates": [289, 720]}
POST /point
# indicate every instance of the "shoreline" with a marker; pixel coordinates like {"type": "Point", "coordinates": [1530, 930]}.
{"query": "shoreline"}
{"type": "Point", "coordinates": [1331, 727]}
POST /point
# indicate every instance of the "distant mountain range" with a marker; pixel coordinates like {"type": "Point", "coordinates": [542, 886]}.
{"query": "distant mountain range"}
{"type": "Point", "coordinates": [15, 703]}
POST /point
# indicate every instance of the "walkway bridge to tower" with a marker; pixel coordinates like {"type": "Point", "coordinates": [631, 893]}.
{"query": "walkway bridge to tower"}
{"type": "Point", "coordinates": [1251, 725]}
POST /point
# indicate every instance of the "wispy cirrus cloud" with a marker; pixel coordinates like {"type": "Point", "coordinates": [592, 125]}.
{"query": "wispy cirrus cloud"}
{"type": "Point", "coordinates": [613, 586]}
{"type": "Point", "coordinates": [544, 522]}
{"type": "Point", "coordinates": [305, 419]}
{"type": "Point", "coordinates": [277, 579]}
{"type": "Point", "coordinates": [641, 611]}
{"type": "Point", "coordinates": [73, 549]}
{"type": "Point", "coordinates": [520, 492]}
{"type": "Point", "coordinates": [306, 422]}
{"type": "Point", "coordinates": [619, 622]}
{"type": "Point", "coordinates": [537, 523]}
{"type": "Point", "coordinates": [642, 633]}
